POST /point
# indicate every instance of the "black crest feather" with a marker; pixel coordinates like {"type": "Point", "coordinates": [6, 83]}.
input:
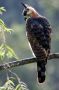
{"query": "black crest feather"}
{"type": "Point", "coordinates": [25, 6]}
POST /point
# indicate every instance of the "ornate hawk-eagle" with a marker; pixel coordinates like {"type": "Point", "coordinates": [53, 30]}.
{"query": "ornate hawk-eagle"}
{"type": "Point", "coordinates": [38, 32]}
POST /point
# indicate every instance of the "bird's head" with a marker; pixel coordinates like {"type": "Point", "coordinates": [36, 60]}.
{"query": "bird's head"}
{"type": "Point", "coordinates": [29, 11]}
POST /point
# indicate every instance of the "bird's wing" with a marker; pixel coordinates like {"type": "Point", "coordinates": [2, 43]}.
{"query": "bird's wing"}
{"type": "Point", "coordinates": [41, 30]}
{"type": "Point", "coordinates": [38, 32]}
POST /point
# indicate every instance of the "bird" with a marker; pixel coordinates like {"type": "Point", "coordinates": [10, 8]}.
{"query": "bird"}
{"type": "Point", "coordinates": [38, 31]}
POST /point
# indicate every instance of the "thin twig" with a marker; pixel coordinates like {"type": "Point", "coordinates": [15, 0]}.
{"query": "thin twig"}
{"type": "Point", "coordinates": [26, 61]}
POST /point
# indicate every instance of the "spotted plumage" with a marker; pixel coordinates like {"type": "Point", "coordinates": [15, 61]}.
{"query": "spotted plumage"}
{"type": "Point", "coordinates": [38, 32]}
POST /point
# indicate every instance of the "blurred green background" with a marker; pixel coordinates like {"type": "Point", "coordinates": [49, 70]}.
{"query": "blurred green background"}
{"type": "Point", "coordinates": [18, 41]}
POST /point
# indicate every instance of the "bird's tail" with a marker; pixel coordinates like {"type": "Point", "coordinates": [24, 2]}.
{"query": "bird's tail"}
{"type": "Point", "coordinates": [41, 71]}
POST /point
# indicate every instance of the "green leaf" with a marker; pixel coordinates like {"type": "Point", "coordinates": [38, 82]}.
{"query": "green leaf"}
{"type": "Point", "coordinates": [10, 52]}
{"type": "Point", "coordinates": [9, 82]}
{"type": "Point", "coordinates": [2, 88]}
{"type": "Point", "coordinates": [18, 87]}
{"type": "Point", "coordinates": [1, 22]}
{"type": "Point", "coordinates": [5, 50]}
{"type": "Point", "coordinates": [9, 85]}
{"type": "Point", "coordinates": [21, 86]}
{"type": "Point", "coordinates": [12, 78]}
{"type": "Point", "coordinates": [4, 27]}
{"type": "Point", "coordinates": [2, 52]}
{"type": "Point", "coordinates": [2, 9]}
{"type": "Point", "coordinates": [7, 29]}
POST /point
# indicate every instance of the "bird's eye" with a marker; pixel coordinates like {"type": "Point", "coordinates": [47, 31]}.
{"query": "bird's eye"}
{"type": "Point", "coordinates": [27, 9]}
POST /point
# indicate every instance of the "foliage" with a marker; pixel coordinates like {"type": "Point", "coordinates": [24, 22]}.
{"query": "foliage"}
{"type": "Point", "coordinates": [10, 85]}
{"type": "Point", "coordinates": [4, 27]}
{"type": "Point", "coordinates": [7, 51]}
{"type": "Point", "coordinates": [2, 9]}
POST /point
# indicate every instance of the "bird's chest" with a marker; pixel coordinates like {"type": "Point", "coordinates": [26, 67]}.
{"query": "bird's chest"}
{"type": "Point", "coordinates": [35, 46]}
{"type": "Point", "coordinates": [32, 31]}
{"type": "Point", "coordinates": [32, 40]}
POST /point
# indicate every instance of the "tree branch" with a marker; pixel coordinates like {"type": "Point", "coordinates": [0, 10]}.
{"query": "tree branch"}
{"type": "Point", "coordinates": [26, 61]}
